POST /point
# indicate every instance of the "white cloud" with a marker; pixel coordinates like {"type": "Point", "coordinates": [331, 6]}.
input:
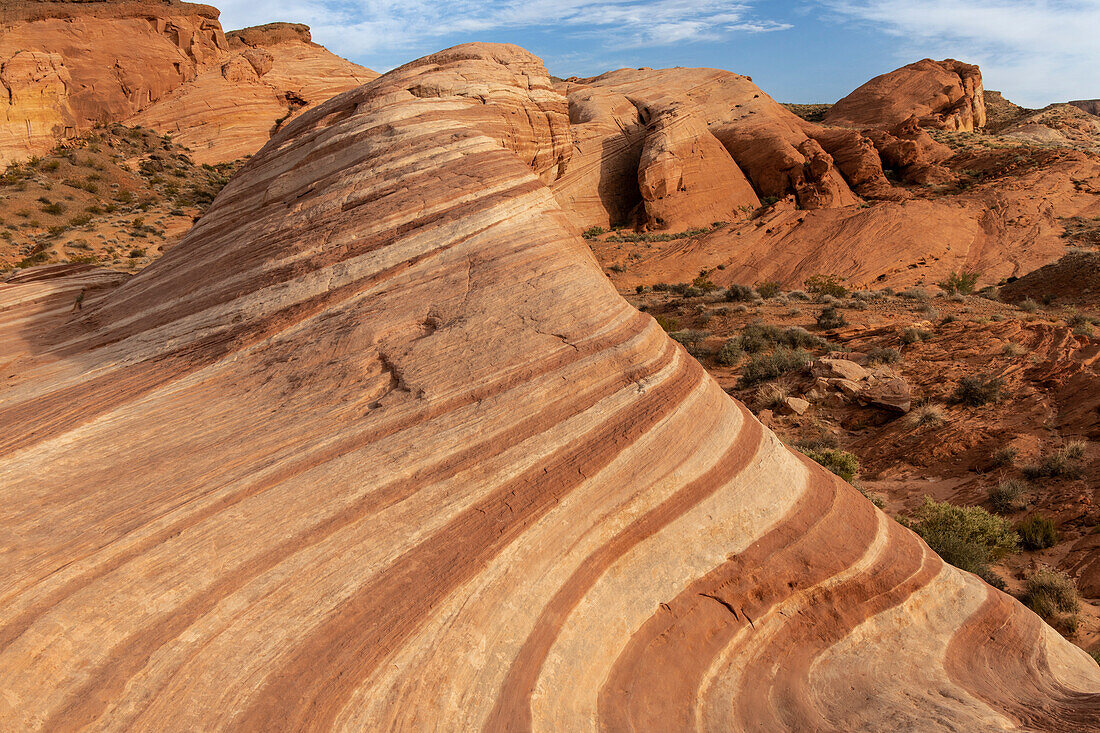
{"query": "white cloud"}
{"type": "Point", "coordinates": [1035, 52]}
{"type": "Point", "coordinates": [366, 29]}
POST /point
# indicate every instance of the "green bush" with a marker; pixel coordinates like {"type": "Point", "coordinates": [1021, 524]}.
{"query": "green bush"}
{"type": "Point", "coordinates": [1050, 592]}
{"type": "Point", "coordinates": [762, 367]}
{"type": "Point", "coordinates": [736, 293]}
{"type": "Point", "coordinates": [959, 282]}
{"type": "Point", "coordinates": [768, 289]}
{"type": "Point", "coordinates": [842, 463]}
{"type": "Point", "coordinates": [830, 318]}
{"type": "Point", "coordinates": [1037, 532]}
{"type": "Point", "coordinates": [969, 538]}
{"type": "Point", "coordinates": [978, 390]}
{"type": "Point", "coordinates": [703, 283]}
{"type": "Point", "coordinates": [1005, 497]}
{"type": "Point", "coordinates": [668, 323]}
{"type": "Point", "coordinates": [731, 353]}
{"type": "Point", "coordinates": [757, 336]}
{"type": "Point", "coordinates": [826, 285]}
{"type": "Point", "coordinates": [691, 339]}
{"type": "Point", "coordinates": [883, 356]}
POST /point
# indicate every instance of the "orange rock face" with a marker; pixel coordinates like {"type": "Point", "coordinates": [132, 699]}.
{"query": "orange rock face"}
{"type": "Point", "coordinates": [270, 75]}
{"type": "Point", "coordinates": [389, 451]}
{"type": "Point", "coordinates": [68, 66]}
{"type": "Point", "coordinates": [684, 118]}
{"type": "Point", "coordinates": [944, 95]}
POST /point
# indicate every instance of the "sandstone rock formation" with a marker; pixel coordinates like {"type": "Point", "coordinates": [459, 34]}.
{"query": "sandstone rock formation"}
{"type": "Point", "coordinates": [69, 65]}
{"type": "Point", "coordinates": [686, 117]}
{"type": "Point", "coordinates": [944, 95]}
{"type": "Point", "coordinates": [389, 451]}
{"type": "Point", "coordinates": [272, 73]}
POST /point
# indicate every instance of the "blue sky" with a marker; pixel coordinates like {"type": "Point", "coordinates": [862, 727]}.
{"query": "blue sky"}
{"type": "Point", "coordinates": [1034, 51]}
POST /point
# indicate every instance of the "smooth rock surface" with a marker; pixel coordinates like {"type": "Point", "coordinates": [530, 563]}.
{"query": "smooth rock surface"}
{"type": "Point", "coordinates": [944, 95]}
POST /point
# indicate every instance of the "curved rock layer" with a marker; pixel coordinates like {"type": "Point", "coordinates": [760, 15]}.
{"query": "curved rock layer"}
{"type": "Point", "coordinates": [945, 95]}
{"type": "Point", "coordinates": [66, 66]}
{"type": "Point", "coordinates": [378, 446]}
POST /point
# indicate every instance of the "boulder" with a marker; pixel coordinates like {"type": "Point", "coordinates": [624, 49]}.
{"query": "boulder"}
{"type": "Point", "coordinates": [944, 95]}
{"type": "Point", "coordinates": [795, 405]}
{"type": "Point", "coordinates": [890, 393]}
{"type": "Point", "coordinates": [838, 369]}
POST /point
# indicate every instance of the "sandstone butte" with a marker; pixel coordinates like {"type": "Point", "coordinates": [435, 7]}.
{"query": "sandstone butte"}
{"type": "Point", "coordinates": [66, 66]}
{"type": "Point", "coordinates": [676, 149]}
{"type": "Point", "coordinates": [941, 94]}
{"type": "Point", "coordinates": [379, 446]}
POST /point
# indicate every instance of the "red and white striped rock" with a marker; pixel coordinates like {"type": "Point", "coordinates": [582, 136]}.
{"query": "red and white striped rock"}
{"type": "Point", "coordinates": [378, 446]}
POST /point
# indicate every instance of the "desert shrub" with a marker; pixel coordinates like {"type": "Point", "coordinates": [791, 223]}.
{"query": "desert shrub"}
{"type": "Point", "coordinates": [798, 337]}
{"type": "Point", "coordinates": [691, 339]}
{"type": "Point", "coordinates": [136, 252]}
{"type": "Point", "coordinates": [825, 285]}
{"type": "Point", "coordinates": [979, 389]}
{"type": "Point", "coordinates": [1005, 496]}
{"type": "Point", "coordinates": [736, 293]}
{"type": "Point", "coordinates": [1060, 464]}
{"type": "Point", "coordinates": [830, 318]}
{"type": "Point", "coordinates": [959, 282]}
{"type": "Point", "coordinates": [1028, 305]}
{"type": "Point", "coordinates": [762, 367]}
{"type": "Point", "coordinates": [1011, 349]}
{"type": "Point", "coordinates": [80, 220]}
{"type": "Point", "coordinates": [54, 208]}
{"type": "Point", "coordinates": [1050, 593]}
{"type": "Point", "coordinates": [756, 337]}
{"type": "Point", "coordinates": [1037, 532]}
{"type": "Point", "coordinates": [798, 295]}
{"type": "Point", "coordinates": [668, 323]}
{"type": "Point", "coordinates": [772, 395]}
{"type": "Point", "coordinates": [1005, 456]}
{"type": "Point", "coordinates": [883, 356]}
{"type": "Point", "coordinates": [842, 463]}
{"type": "Point", "coordinates": [768, 289]}
{"type": "Point", "coordinates": [731, 353]}
{"type": "Point", "coordinates": [925, 415]}
{"type": "Point", "coordinates": [1074, 450]}
{"type": "Point", "coordinates": [913, 334]}
{"type": "Point", "coordinates": [703, 283]}
{"type": "Point", "coordinates": [914, 294]}
{"type": "Point", "coordinates": [969, 538]}
{"type": "Point", "coordinates": [768, 200]}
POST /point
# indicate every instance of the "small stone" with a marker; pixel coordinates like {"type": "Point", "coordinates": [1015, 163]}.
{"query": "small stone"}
{"type": "Point", "coordinates": [839, 368]}
{"type": "Point", "coordinates": [795, 405]}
